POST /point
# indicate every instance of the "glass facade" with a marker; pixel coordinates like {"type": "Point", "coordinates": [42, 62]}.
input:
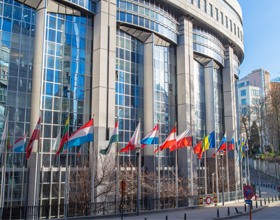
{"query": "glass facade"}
{"type": "Point", "coordinates": [66, 88]}
{"type": "Point", "coordinates": [129, 89]}
{"type": "Point", "coordinates": [206, 43]}
{"type": "Point", "coordinates": [17, 30]}
{"type": "Point", "coordinates": [218, 104]}
{"type": "Point", "coordinates": [199, 97]}
{"type": "Point", "coordinates": [150, 15]}
{"type": "Point", "coordinates": [165, 97]}
{"type": "Point", "coordinates": [88, 4]}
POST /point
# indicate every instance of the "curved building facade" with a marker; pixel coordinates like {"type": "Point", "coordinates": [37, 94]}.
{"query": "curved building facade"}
{"type": "Point", "coordinates": [161, 61]}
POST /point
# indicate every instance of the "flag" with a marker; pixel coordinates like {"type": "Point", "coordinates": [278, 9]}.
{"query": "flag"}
{"type": "Point", "coordinates": [231, 145]}
{"type": "Point", "coordinates": [55, 143]}
{"type": "Point", "coordinates": [64, 137]}
{"type": "Point", "coordinates": [79, 152]}
{"type": "Point", "coordinates": [135, 140]}
{"type": "Point", "coordinates": [246, 147]}
{"type": "Point", "coordinates": [19, 145]}
{"type": "Point", "coordinates": [209, 141]}
{"type": "Point", "coordinates": [8, 143]}
{"type": "Point", "coordinates": [151, 138]}
{"type": "Point", "coordinates": [113, 139]}
{"type": "Point", "coordinates": [183, 140]}
{"type": "Point", "coordinates": [223, 145]}
{"type": "Point", "coordinates": [82, 135]}
{"type": "Point", "coordinates": [4, 134]}
{"type": "Point", "coordinates": [35, 136]}
{"type": "Point", "coordinates": [171, 139]}
{"type": "Point", "coordinates": [197, 148]}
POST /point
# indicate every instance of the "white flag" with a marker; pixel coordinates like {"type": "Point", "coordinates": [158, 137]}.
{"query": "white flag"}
{"type": "Point", "coordinates": [4, 135]}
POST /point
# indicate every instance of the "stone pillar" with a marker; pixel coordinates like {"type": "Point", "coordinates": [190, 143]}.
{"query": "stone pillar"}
{"type": "Point", "coordinates": [103, 77]}
{"type": "Point", "coordinates": [187, 163]}
{"type": "Point", "coordinates": [149, 100]}
{"type": "Point", "coordinates": [230, 103]}
{"type": "Point", "coordinates": [209, 102]}
{"type": "Point", "coordinates": [38, 71]}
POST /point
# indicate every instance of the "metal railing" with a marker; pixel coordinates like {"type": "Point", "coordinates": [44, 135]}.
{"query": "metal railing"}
{"type": "Point", "coordinates": [103, 208]}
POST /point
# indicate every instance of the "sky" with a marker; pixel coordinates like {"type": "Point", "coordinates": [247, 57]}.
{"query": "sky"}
{"type": "Point", "coordinates": [261, 28]}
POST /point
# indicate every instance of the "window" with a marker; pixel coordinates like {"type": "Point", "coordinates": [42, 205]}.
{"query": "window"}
{"type": "Point", "coordinates": [243, 92]}
{"type": "Point", "coordinates": [205, 6]}
{"type": "Point", "coordinates": [222, 17]}
{"type": "Point", "coordinates": [191, 1]}
{"type": "Point", "coordinates": [211, 10]}
{"type": "Point", "coordinates": [217, 14]}
{"type": "Point", "coordinates": [243, 101]}
{"type": "Point", "coordinates": [248, 83]}
{"type": "Point", "coordinates": [238, 32]}
{"type": "Point", "coordinates": [255, 92]}
{"type": "Point", "coordinates": [244, 110]}
{"type": "Point", "coordinates": [198, 3]}
{"type": "Point", "coordinates": [235, 29]}
{"type": "Point", "coordinates": [241, 85]}
{"type": "Point", "coordinates": [256, 101]}
{"type": "Point", "coordinates": [230, 25]}
{"type": "Point", "coordinates": [226, 22]}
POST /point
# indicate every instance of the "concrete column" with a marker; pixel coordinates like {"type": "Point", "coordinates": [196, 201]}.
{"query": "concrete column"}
{"type": "Point", "coordinates": [37, 74]}
{"type": "Point", "coordinates": [149, 100]}
{"type": "Point", "coordinates": [230, 103]}
{"type": "Point", "coordinates": [209, 101]}
{"type": "Point", "coordinates": [103, 70]}
{"type": "Point", "coordinates": [187, 163]}
{"type": "Point", "coordinates": [103, 77]}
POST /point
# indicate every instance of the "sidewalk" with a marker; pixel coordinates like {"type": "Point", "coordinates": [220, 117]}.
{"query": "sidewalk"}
{"type": "Point", "coordinates": [206, 212]}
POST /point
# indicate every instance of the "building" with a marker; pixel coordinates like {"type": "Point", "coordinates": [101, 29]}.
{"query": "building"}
{"type": "Point", "coordinates": [161, 61]}
{"type": "Point", "coordinates": [252, 91]}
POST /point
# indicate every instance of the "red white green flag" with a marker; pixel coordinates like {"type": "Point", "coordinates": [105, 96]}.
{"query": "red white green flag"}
{"type": "Point", "coordinates": [114, 138]}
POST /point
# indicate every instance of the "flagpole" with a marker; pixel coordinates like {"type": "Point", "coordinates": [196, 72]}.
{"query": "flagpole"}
{"type": "Point", "coordinates": [66, 179]}
{"type": "Point", "coordinates": [205, 167]}
{"type": "Point", "coordinates": [118, 162]}
{"type": "Point", "coordinates": [37, 169]}
{"type": "Point", "coordinates": [92, 172]}
{"type": "Point", "coordinates": [191, 152]}
{"type": "Point", "coordinates": [4, 164]}
{"type": "Point", "coordinates": [227, 170]}
{"type": "Point", "coordinates": [216, 168]}
{"type": "Point", "coordinates": [176, 161]}
{"type": "Point", "coordinates": [248, 167]}
{"type": "Point", "coordinates": [158, 171]}
{"type": "Point", "coordinates": [240, 164]}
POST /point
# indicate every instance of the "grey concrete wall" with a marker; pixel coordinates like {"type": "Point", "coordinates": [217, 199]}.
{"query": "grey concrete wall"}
{"type": "Point", "coordinates": [185, 97]}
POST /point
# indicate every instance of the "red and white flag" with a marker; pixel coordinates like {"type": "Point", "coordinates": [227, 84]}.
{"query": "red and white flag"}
{"type": "Point", "coordinates": [35, 136]}
{"type": "Point", "coordinates": [171, 140]}
{"type": "Point", "coordinates": [183, 140]}
{"type": "Point", "coordinates": [134, 141]}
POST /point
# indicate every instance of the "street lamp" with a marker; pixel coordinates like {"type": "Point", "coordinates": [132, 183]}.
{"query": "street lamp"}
{"type": "Point", "coordinates": [213, 182]}
{"type": "Point", "coordinates": [138, 153]}
{"type": "Point", "coordinates": [258, 157]}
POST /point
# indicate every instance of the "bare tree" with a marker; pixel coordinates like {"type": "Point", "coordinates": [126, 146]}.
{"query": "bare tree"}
{"type": "Point", "coordinates": [245, 114]}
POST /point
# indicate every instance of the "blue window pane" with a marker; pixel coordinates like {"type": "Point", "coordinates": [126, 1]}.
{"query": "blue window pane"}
{"type": "Point", "coordinates": [141, 21]}
{"type": "Point", "coordinates": [81, 81]}
{"type": "Point", "coordinates": [7, 11]}
{"type": "Point", "coordinates": [58, 37]}
{"type": "Point", "coordinates": [135, 19]}
{"type": "Point", "coordinates": [128, 6]}
{"type": "Point", "coordinates": [121, 88]}
{"type": "Point", "coordinates": [121, 100]}
{"type": "Point", "coordinates": [81, 94]}
{"type": "Point", "coordinates": [127, 89]}
{"type": "Point", "coordinates": [129, 18]}
{"type": "Point", "coordinates": [83, 31]}
{"type": "Point", "coordinates": [50, 75]}
{"type": "Point", "coordinates": [7, 25]}
{"type": "Point", "coordinates": [49, 89]}
{"type": "Point", "coordinates": [121, 76]}
{"type": "Point", "coordinates": [51, 35]}
{"type": "Point", "coordinates": [116, 87]}
{"type": "Point", "coordinates": [127, 101]}
{"type": "Point", "coordinates": [68, 27]}
{"type": "Point", "coordinates": [17, 13]}
{"type": "Point", "coordinates": [127, 55]}
{"type": "Point", "coordinates": [121, 55]}
{"type": "Point", "coordinates": [122, 16]}
{"type": "Point", "coordinates": [26, 15]}
{"type": "Point", "coordinates": [126, 125]}
{"type": "Point", "coordinates": [82, 68]}
{"type": "Point", "coordinates": [82, 43]}
{"type": "Point", "coordinates": [82, 55]}
{"type": "Point", "coordinates": [116, 99]}
{"type": "Point", "coordinates": [146, 23]}
{"type": "Point", "coordinates": [68, 39]}
{"type": "Point", "coordinates": [123, 4]}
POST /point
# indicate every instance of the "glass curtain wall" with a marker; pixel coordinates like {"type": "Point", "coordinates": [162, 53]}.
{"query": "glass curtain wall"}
{"type": "Point", "coordinates": [165, 98]}
{"type": "Point", "coordinates": [66, 88]}
{"type": "Point", "coordinates": [129, 90]}
{"type": "Point", "coordinates": [17, 30]}
{"type": "Point", "coordinates": [200, 115]}
{"type": "Point", "coordinates": [218, 104]}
